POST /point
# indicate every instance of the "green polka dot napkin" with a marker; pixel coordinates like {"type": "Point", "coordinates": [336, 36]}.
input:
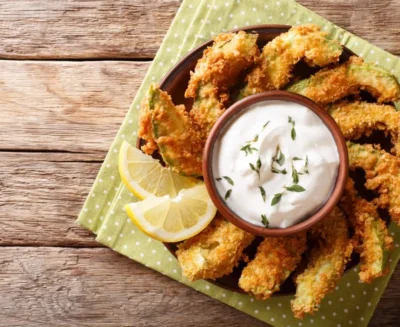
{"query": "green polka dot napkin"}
{"type": "Point", "coordinates": [353, 303]}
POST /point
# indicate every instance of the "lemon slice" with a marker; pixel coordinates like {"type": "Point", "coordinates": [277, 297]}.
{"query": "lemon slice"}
{"type": "Point", "coordinates": [145, 176]}
{"type": "Point", "coordinates": [173, 219]}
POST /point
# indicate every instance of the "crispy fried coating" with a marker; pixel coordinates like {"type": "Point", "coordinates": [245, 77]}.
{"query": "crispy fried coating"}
{"type": "Point", "coordinates": [382, 173]}
{"type": "Point", "coordinates": [275, 260]}
{"type": "Point", "coordinates": [371, 238]}
{"type": "Point", "coordinates": [328, 257]}
{"type": "Point", "coordinates": [361, 118]}
{"type": "Point", "coordinates": [214, 252]}
{"type": "Point", "coordinates": [145, 130]}
{"type": "Point", "coordinates": [332, 84]}
{"type": "Point", "coordinates": [177, 137]}
{"type": "Point", "coordinates": [278, 57]}
{"type": "Point", "coordinates": [216, 72]}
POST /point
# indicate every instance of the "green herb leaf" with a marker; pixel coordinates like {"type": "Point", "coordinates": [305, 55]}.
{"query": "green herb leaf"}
{"type": "Point", "coordinates": [306, 166]}
{"type": "Point", "coordinates": [296, 158]}
{"type": "Point", "coordinates": [277, 171]}
{"type": "Point", "coordinates": [245, 149]}
{"type": "Point", "coordinates": [263, 194]}
{"type": "Point", "coordinates": [277, 197]}
{"type": "Point", "coordinates": [228, 179]}
{"type": "Point", "coordinates": [280, 160]}
{"type": "Point", "coordinates": [280, 157]}
{"type": "Point", "coordinates": [218, 179]}
{"type": "Point", "coordinates": [295, 176]}
{"type": "Point", "coordinates": [293, 132]}
{"type": "Point", "coordinates": [295, 188]}
{"type": "Point", "coordinates": [265, 125]}
{"type": "Point", "coordinates": [264, 220]}
{"type": "Point", "coordinates": [228, 194]}
{"type": "Point", "coordinates": [257, 170]}
{"type": "Point", "coordinates": [248, 149]}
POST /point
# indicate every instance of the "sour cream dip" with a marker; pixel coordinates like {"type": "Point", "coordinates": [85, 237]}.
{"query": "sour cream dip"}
{"type": "Point", "coordinates": [275, 163]}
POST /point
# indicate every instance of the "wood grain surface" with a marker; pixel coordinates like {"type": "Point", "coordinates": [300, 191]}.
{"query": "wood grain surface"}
{"type": "Point", "coordinates": [57, 120]}
{"type": "Point", "coordinates": [65, 106]}
{"type": "Point", "coordinates": [42, 29]}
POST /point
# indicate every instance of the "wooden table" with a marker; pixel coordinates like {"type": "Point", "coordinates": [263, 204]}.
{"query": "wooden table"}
{"type": "Point", "coordinates": [69, 70]}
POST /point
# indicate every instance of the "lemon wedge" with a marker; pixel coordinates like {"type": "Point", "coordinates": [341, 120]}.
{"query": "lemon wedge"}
{"type": "Point", "coordinates": [145, 176]}
{"type": "Point", "coordinates": [173, 219]}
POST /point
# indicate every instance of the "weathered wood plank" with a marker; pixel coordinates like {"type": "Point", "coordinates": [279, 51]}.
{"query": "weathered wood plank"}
{"type": "Point", "coordinates": [42, 29]}
{"type": "Point", "coordinates": [70, 106]}
{"type": "Point", "coordinates": [41, 196]}
{"type": "Point", "coordinates": [374, 21]}
{"type": "Point", "coordinates": [97, 287]}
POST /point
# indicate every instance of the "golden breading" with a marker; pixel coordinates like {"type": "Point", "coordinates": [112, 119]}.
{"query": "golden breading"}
{"type": "Point", "coordinates": [216, 72]}
{"type": "Point", "coordinates": [361, 118]}
{"type": "Point", "coordinates": [332, 84]}
{"type": "Point", "coordinates": [371, 238]}
{"type": "Point", "coordinates": [275, 260]}
{"type": "Point", "coordinates": [382, 172]}
{"type": "Point", "coordinates": [329, 254]}
{"type": "Point", "coordinates": [177, 137]}
{"type": "Point", "coordinates": [145, 130]}
{"type": "Point", "coordinates": [214, 252]}
{"type": "Point", "coordinates": [278, 57]}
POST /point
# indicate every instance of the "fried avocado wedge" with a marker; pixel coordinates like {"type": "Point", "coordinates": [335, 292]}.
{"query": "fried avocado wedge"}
{"type": "Point", "coordinates": [278, 57]}
{"type": "Point", "coordinates": [178, 139]}
{"type": "Point", "coordinates": [216, 72]}
{"type": "Point", "coordinates": [362, 118]}
{"type": "Point", "coordinates": [332, 84]}
{"type": "Point", "coordinates": [214, 252]}
{"type": "Point", "coordinates": [329, 254]}
{"type": "Point", "coordinates": [275, 260]}
{"type": "Point", "coordinates": [145, 130]}
{"type": "Point", "coordinates": [371, 238]}
{"type": "Point", "coordinates": [382, 173]}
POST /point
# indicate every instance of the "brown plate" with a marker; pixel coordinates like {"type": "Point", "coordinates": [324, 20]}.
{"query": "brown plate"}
{"type": "Point", "coordinates": [175, 83]}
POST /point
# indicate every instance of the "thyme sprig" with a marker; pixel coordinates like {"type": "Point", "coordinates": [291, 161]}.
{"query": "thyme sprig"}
{"type": "Point", "coordinates": [264, 220]}
{"type": "Point", "coordinates": [295, 188]}
{"type": "Point", "coordinates": [248, 149]}
{"type": "Point", "coordinates": [263, 193]}
{"type": "Point", "coordinates": [278, 158]}
{"type": "Point", "coordinates": [295, 175]}
{"type": "Point", "coordinates": [256, 167]}
{"type": "Point", "coordinates": [227, 178]}
{"type": "Point", "coordinates": [293, 131]}
{"type": "Point", "coordinates": [265, 125]}
{"type": "Point", "coordinates": [277, 198]}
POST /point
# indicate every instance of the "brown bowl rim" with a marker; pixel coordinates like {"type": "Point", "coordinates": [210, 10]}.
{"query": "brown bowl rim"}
{"type": "Point", "coordinates": [218, 128]}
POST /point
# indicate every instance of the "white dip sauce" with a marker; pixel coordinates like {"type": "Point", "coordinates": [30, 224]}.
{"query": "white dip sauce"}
{"type": "Point", "coordinates": [258, 146]}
